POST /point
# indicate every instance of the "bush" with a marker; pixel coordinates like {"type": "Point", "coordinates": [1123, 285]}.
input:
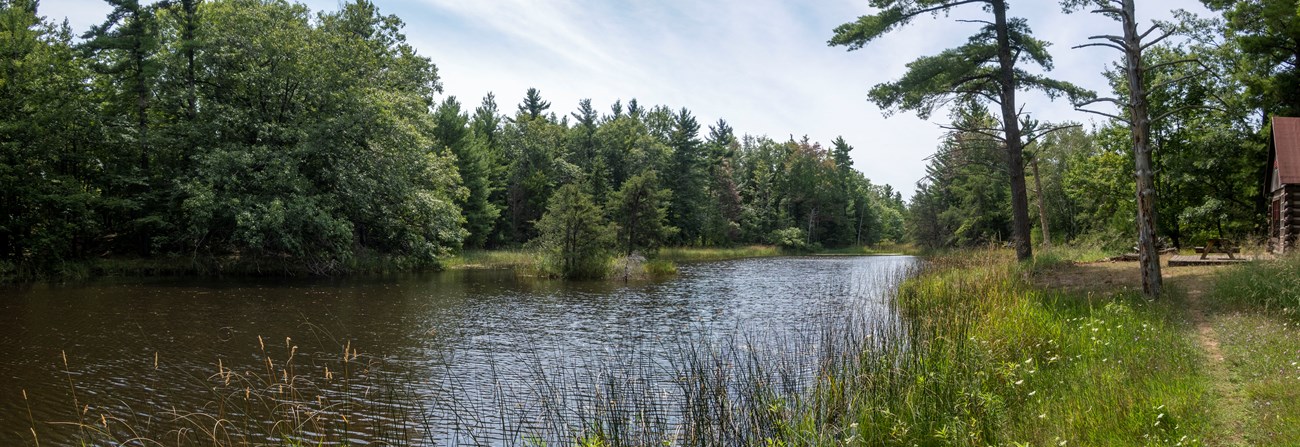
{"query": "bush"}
{"type": "Point", "coordinates": [790, 239]}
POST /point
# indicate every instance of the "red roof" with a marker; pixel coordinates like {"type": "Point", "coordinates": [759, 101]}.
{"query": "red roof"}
{"type": "Point", "coordinates": [1286, 141]}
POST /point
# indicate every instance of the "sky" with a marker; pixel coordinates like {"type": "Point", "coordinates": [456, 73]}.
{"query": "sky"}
{"type": "Point", "coordinates": [762, 65]}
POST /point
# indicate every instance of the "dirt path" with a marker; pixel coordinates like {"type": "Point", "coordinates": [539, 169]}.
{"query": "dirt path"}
{"type": "Point", "coordinates": [1195, 282]}
{"type": "Point", "coordinates": [1231, 407]}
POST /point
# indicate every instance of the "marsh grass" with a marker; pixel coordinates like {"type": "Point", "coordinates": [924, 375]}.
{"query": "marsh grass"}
{"type": "Point", "coordinates": [523, 260]}
{"type": "Point", "coordinates": [290, 399]}
{"type": "Point", "coordinates": [700, 254]}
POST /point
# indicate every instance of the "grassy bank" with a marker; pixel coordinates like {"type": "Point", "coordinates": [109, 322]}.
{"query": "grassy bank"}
{"type": "Point", "coordinates": [991, 360]}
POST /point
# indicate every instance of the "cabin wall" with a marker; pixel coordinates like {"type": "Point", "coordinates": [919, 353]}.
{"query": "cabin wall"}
{"type": "Point", "coordinates": [1284, 225]}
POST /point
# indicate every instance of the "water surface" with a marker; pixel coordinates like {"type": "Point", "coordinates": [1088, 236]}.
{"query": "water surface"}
{"type": "Point", "coordinates": [463, 349]}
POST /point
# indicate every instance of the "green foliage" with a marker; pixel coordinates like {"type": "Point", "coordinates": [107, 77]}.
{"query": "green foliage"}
{"type": "Point", "coordinates": [49, 165]}
{"type": "Point", "coordinates": [533, 106]}
{"type": "Point", "coordinates": [790, 239]}
{"type": "Point", "coordinates": [1265, 35]}
{"type": "Point", "coordinates": [532, 150]}
{"type": "Point", "coordinates": [640, 210]}
{"type": "Point", "coordinates": [474, 163]}
{"type": "Point", "coordinates": [963, 200]}
{"type": "Point", "coordinates": [971, 72]}
{"type": "Point", "coordinates": [260, 132]}
{"type": "Point", "coordinates": [573, 236]}
{"type": "Point", "coordinates": [686, 206]}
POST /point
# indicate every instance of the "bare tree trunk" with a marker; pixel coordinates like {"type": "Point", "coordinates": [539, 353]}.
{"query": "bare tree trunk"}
{"type": "Point", "coordinates": [1139, 113]}
{"type": "Point", "coordinates": [1011, 126]}
{"type": "Point", "coordinates": [1042, 210]}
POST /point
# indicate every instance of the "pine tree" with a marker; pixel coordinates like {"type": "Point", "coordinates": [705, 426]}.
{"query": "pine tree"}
{"type": "Point", "coordinates": [640, 210]}
{"type": "Point", "coordinates": [983, 69]}
{"type": "Point", "coordinates": [472, 161]}
{"type": "Point", "coordinates": [573, 235]}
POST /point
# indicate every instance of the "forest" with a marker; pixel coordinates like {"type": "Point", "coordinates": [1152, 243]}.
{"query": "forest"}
{"type": "Point", "coordinates": [263, 131]}
{"type": "Point", "coordinates": [252, 129]}
{"type": "Point", "coordinates": [1210, 90]}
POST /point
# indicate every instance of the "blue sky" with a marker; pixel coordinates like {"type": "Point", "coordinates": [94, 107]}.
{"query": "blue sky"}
{"type": "Point", "coordinates": [763, 65]}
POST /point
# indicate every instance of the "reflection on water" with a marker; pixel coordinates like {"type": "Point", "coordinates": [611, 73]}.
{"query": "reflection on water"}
{"type": "Point", "coordinates": [472, 352]}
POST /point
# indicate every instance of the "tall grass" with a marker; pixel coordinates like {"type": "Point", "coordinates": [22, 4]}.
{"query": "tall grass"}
{"type": "Point", "coordinates": [524, 260]}
{"type": "Point", "coordinates": [290, 399]}
{"type": "Point", "coordinates": [986, 360]}
{"type": "Point", "coordinates": [699, 254]}
{"type": "Point", "coordinates": [1256, 315]}
{"type": "Point", "coordinates": [1057, 255]}
{"type": "Point", "coordinates": [1267, 286]}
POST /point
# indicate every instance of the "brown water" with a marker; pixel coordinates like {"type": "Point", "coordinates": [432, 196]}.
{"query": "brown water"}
{"type": "Point", "coordinates": [455, 357]}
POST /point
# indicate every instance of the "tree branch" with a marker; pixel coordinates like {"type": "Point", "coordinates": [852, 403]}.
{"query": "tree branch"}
{"type": "Point", "coordinates": [1158, 39]}
{"type": "Point", "coordinates": [941, 7]}
{"type": "Point", "coordinates": [1034, 138]}
{"type": "Point", "coordinates": [1148, 32]}
{"type": "Point", "coordinates": [1116, 118]}
{"type": "Point", "coordinates": [1094, 101]}
{"type": "Point", "coordinates": [1115, 11]}
{"type": "Point", "coordinates": [1174, 81]}
{"type": "Point", "coordinates": [1117, 40]}
{"type": "Point", "coordinates": [976, 131]}
{"type": "Point", "coordinates": [1095, 44]}
{"type": "Point", "coordinates": [1166, 64]}
{"type": "Point", "coordinates": [1162, 116]}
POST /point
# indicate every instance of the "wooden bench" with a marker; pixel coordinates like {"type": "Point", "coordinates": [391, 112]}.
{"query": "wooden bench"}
{"type": "Point", "coordinates": [1218, 246]}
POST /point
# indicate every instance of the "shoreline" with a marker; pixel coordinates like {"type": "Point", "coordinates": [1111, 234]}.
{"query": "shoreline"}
{"type": "Point", "coordinates": [367, 265]}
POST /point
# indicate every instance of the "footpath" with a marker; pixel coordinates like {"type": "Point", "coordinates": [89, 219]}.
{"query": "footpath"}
{"type": "Point", "coordinates": [1235, 415]}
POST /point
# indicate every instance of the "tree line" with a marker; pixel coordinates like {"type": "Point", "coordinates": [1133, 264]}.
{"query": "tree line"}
{"type": "Point", "coordinates": [258, 129]}
{"type": "Point", "coordinates": [1185, 154]}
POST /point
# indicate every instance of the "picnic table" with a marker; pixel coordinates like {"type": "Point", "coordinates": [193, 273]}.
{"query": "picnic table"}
{"type": "Point", "coordinates": [1218, 246]}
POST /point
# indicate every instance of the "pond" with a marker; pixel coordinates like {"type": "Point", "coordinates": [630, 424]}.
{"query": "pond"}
{"type": "Point", "coordinates": [461, 357]}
